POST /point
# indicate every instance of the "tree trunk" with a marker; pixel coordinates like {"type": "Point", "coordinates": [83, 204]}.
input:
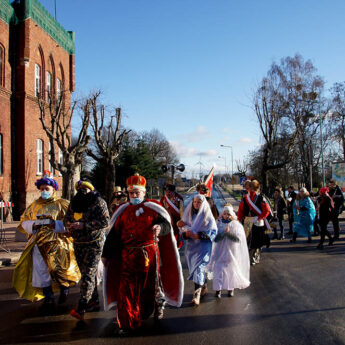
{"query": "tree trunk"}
{"type": "Point", "coordinates": [67, 184]}
{"type": "Point", "coordinates": [109, 182]}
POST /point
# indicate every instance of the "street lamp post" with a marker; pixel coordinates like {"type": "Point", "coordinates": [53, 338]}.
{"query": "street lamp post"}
{"type": "Point", "coordinates": [232, 161]}
{"type": "Point", "coordinates": [224, 166]}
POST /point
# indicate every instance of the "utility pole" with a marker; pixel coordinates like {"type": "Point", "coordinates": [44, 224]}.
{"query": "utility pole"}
{"type": "Point", "coordinates": [55, 9]}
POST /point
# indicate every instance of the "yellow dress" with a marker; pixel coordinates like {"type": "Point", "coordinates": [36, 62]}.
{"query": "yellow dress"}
{"type": "Point", "coordinates": [56, 249]}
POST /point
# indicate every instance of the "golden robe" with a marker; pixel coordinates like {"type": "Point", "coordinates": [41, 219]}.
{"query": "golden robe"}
{"type": "Point", "coordinates": [56, 249]}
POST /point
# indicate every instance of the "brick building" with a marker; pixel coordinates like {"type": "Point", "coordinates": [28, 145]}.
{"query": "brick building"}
{"type": "Point", "coordinates": [36, 58]}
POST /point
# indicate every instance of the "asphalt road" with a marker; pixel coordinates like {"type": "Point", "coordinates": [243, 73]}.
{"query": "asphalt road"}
{"type": "Point", "coordinates": [297, 296]}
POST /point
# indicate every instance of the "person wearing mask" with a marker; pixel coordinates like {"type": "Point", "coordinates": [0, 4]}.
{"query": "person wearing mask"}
{"type": "Point", "coordinates": [87, 219]}
{"type": "Point", "coordinates": [325, 207]}
{"type": "Point", "coordinates": [48, 261]}
{"type": "Point", "coordinates": [338, 198]}
{"type": "Point", "coordinates": [142, 264]}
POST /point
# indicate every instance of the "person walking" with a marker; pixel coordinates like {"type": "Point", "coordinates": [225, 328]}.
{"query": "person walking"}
{"type": "Point", "coordinates": [338, 198]}
{"type": "Point", "coordinates": [306, 213]}
{"type": "Point", "coordinates": [291, 198]}
{"type": "Point", "coordinates": [87, 219]}
{"type": "Point", "coordinates": [279, 212]}
{"type": "Point", "coordinates": [141, 259]}
{"type": "Point", "coordinates": [229, 266]}
{"type": "Point", "coordinates": [48, 261]}
{"type": "Point", "coordinates": [256, 209]}
{"type": "Point", "coordinates": [199, 228]}
{"type": "Point", "coordinates": [325, 211]}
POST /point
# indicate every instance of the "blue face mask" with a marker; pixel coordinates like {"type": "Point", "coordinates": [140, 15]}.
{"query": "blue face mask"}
{"type": "Point", "coordinates": [135, 201]}
{"type": "Point", "coordinates": [45, 195]}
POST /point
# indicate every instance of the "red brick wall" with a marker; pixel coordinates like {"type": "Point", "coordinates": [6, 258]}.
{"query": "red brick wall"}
{"type": "Point", "coordinates": [36, 46]}
{"type": "Point", "coordinates": [5, 111]}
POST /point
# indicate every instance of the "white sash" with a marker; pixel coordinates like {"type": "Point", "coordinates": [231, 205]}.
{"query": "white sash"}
{"type": "Point", "coordinates": [171, 204]}
{"type": "Point", "coordinates": [257, 210]}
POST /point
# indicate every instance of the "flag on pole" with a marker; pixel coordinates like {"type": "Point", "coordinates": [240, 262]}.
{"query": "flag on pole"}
{"type": "Point", "coordinates": [209, 182]}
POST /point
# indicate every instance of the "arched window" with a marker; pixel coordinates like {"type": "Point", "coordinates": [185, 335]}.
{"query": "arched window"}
{"type": "Point", "coordinates": [58, 89]}
{"type": "Point", "coordinates": [1, 156]}
{"type": "Point", "coordinates": [2, 65]}
{"type": "Point", "coordinates": [48, 86]}
{"type": "Point", "coordinates": [37, 80]}
{"type": "Point", "coordinates": [39, 153]}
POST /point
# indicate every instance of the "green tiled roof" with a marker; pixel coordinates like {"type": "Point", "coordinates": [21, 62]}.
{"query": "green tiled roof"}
{"type": "Point", "coordinates": [34, 9]}
{"type": "Point", "coordinates": [7, 12]}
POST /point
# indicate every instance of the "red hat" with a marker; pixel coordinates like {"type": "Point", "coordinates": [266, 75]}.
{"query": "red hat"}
{"type": "Point", "coordinates": [324, 190]}
{"type": "Point", "coordinates": [136, 182]}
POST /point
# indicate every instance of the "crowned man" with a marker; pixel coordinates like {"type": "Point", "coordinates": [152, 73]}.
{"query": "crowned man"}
{"type": "Point", "coordinates": [141, 260]}
{"type": "Point", "coordinates": [48, 262]}
{"type": "Point", "coordinates": [173, 203]}
{"type": "Point", "coordinates": [87, 219]}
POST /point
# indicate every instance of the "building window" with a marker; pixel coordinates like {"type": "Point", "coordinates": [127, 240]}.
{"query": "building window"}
{"type": "Point", "coordinates": [39, 151]}
{"type": "Point", "coordinates": [1, 155]}
{"type": "Point", "coordinates": [37, 80]}
{"type": "Point", "coordinates": [58, 89]}
{"type": "Point", "coordinates": [60, 159]}
{"type": "Point", "coordinates": [2, 61]}
{"type": "Point", "coordinates": [51, 168]}
{"type": "Point", "coordinates": [49, 86]}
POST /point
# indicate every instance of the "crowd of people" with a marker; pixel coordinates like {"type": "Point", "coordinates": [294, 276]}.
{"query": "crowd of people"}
{"type": "Point", "coordinates": [134, 251]}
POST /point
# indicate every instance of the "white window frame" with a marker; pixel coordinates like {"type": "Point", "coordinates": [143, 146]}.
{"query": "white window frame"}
{"type": "Point", "coordinates": [1, 155]}
{"type": "Point", "coordinates": [37, 80]}
{"type": "Point", "coordinates": [58, 89]}
{"type": "Point", "coordinates": [60, 159]}
{"type": "Point", "coordinates": [51, 169]}
{"type": "Point", "coordinates": [39, 157]}
{"type": "Point", "coordinates": [2, 61]}
{"type": "Point", "coordinates": [48, 85]}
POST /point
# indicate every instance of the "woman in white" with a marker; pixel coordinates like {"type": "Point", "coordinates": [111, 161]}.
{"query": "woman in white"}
{"type": "Point", "coordinates": [229, 263]}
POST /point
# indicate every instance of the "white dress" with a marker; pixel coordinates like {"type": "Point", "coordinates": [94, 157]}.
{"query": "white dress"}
{"type": "Point", "coordinates": [229, 266]}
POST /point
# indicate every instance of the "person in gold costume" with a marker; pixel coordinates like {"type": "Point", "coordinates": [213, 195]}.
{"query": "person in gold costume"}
{"type": "Point", "coordinates": [47, 263]}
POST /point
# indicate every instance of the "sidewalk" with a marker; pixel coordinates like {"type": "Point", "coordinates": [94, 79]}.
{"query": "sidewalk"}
{"type": "Point", "coordinates": [230, 199]}
{"type": "Point", "coordinates": [10, 249]}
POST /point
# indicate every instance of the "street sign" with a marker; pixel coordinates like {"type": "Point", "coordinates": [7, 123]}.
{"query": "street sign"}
{"type": "Point", "coordinates": [243, 180]}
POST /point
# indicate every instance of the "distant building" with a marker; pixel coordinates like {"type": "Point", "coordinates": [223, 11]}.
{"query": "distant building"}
{"type": "Point", "coordinates": [36, 57]}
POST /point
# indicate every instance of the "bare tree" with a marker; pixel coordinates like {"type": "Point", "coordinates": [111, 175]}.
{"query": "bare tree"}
{"type": "Point", "coordinates": [56, 120]}
{"type": "Point", "coordinates": [242, 167]}
{"type": "Point", "coordinates": [338, 114]}
{"type": "Point", "coordinates": [108, 139]}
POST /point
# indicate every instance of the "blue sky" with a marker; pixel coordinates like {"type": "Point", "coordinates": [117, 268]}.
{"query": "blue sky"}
{"type": "Point", "coordinates": [188, 67]}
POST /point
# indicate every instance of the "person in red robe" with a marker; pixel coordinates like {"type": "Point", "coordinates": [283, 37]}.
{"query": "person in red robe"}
{"type": "Point", "coordinates": [173, 203]}
{"type": "Point", "coordinates": [142, 263]}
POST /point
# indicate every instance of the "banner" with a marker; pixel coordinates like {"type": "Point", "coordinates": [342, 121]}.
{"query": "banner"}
{"type": "Point", "coordinates": [209, 182]}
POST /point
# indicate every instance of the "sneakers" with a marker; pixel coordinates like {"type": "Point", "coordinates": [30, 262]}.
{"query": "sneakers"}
{"type": "Point", "coordinates": [196, 297]}
{"type": "Point", "coordinates": [218, 294]}
{"type": "Point", "coordinates": [231, 293]}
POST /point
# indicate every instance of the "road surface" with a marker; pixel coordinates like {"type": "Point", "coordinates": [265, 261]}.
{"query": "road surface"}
{"type": "Point", "coordinates": [297, 296]}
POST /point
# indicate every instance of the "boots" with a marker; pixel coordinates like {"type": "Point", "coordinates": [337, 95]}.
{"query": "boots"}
{"type": "Point", "coordinates": [204, 290]}
{"type": "Point", "coordinates": [196, 297]}
{"type": "Point", "coordinates": [218, 294]}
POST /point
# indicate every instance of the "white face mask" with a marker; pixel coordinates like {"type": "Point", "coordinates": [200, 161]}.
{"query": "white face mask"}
{"type": "Point", "coordinates": [135, 201]}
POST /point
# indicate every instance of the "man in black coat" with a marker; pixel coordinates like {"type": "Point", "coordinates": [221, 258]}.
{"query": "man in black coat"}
{"type": "Point", "coordinates": [290, 201]}
{"type": "Point", "coordinates": [338, 198]}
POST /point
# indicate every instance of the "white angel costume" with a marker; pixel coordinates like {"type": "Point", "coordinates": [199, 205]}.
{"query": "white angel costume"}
{"type": "Point", "coordinates": [229, 266]}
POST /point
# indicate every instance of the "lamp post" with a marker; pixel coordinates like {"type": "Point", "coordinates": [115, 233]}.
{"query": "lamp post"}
{"type": "Point", "coordinates": [232, 160]}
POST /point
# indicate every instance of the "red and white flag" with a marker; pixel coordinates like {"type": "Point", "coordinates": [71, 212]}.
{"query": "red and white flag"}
{"type": "Point", "coordinates": [209, 182]}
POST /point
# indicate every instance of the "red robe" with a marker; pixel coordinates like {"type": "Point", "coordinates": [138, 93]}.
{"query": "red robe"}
{"type": "Point", "coordinates": [175, 216]}
{"type": "Point", "coordinates": [131, 278]}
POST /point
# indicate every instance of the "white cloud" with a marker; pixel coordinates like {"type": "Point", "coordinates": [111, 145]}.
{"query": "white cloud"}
{"type": "Point", "coordinates": [245, 140]}
{"type": "Point", "coordinates": [199, 134]}
{"type": "Point", "coordinates": [208, 153]}
{"type": "Point", "coordinates": [182, 150]}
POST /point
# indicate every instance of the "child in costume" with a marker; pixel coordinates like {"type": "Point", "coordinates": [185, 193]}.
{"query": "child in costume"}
{"type": "Point", "coordinates": [229, 266]}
